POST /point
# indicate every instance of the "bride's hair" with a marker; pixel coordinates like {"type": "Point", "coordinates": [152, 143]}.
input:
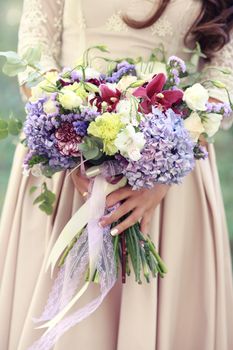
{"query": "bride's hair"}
{"type": "Point", "coordinates": [211, 28]}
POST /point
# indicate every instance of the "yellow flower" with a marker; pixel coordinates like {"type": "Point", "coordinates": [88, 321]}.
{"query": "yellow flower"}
{"type": "Point", "coordinates": [106, 127]}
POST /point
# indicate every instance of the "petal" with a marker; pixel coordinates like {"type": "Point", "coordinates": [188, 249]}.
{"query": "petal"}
{"type": "Point", "coordinates": [140, 92]}
{"type": "Point", "coordinates": [171, 97]}
{"type": "Point", "coordinates": [156, 85]}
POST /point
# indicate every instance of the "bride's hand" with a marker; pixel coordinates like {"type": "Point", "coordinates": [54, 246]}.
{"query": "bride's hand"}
{"type": "Point", "coordinates": [81, 183]}
{"type": "Point", "coordinates": [141, 204]}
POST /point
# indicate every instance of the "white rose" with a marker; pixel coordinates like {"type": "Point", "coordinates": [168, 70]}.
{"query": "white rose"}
{"type": "Point", "coordinates": [50, 107]}
{"type": "Point", "coordinates": [212, 123]}
{"type": "Point", "coordinates": [130, 143]}
{"type": "Point", "coordinates": [146, 70]}
{"type": "Point", "coordinates": [69, 99]}
{"type": "Point", "coordinates": [194, 125]}
{"type": "Point", "coordinates": [196, 97]}
{"type": "Point", "coordinates": [125, 82]}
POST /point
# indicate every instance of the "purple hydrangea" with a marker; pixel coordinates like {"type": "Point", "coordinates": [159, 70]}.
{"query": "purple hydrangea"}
{"type": "Point", "coordinates": [39, 130]}
{"type": "Point", "coordinates": [167, 156]}
{"type": "Point", "coordinates": [123, 68]}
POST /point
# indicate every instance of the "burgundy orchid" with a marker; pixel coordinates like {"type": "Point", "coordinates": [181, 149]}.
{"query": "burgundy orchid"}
{"type": "Point", "coordinates": [153, 94]}
{"type": "Point", "coordinates": [110, 96]}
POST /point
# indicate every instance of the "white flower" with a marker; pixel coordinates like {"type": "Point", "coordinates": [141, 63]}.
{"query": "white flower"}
{"type": "Point", "coordinates": [37, 91]}
{"type": "Point", "coordinates": [194, 125]}
{"type": "Point", "coordinates": [36, 170]}
{"type": "Point", "coordinates": [196, 97]}
{"type": "Point", "coordinates": [50, 107]}
{"type": "Point", "coordinates": [212, 122]}
{"type": "Point", "coordinates": [129, 111]}
{"type": "Point", "coordinates": [130, 143]}
{"type": "Point", "coordinates": [69, 99]}
{"type": "Point", "coordinates": [146, 70]}
{"type": "Point", "coordinates": [125, 82]}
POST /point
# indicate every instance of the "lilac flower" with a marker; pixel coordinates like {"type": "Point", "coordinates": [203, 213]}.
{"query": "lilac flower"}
{"type": "Point", "coordinates": [122, 69]}
{"type": "Point", "coordinates": [221, 108]}
{"type": "Point", "coordinates": [178, 63]}
{"type": "Point", "coordinates": [167, 155]}
{"type": "Point", "coordinates": [88, 114]}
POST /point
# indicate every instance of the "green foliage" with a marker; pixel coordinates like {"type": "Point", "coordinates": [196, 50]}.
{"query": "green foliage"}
{"type": "Point", "coordinates": [91, 148]}
{"type": "Point", "coordinates": [36, 159]}
{"type": "Point", "coordinates": [13, 127]}
{"type": "Point", "coordinates": [45, 200]}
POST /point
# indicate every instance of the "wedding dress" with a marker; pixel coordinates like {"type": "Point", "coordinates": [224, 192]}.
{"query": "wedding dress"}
{"type": "Point", "coordinates": [192, 307]}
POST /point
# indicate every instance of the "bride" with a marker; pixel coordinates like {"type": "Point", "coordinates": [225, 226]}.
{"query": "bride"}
{"type": "Point", "coordinates": [191, 308]}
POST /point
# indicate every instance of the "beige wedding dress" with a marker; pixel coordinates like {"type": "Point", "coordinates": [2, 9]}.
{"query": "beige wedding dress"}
{"type": "Point", "coordinates": [192, 307]}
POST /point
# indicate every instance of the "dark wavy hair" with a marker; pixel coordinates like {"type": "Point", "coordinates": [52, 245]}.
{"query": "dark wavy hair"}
{"type": "Point", "coordinates": [211, 28]}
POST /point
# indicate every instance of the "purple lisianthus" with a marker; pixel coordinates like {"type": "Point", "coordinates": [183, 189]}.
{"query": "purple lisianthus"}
{"type": "Point", "coordinates": [167, 156]}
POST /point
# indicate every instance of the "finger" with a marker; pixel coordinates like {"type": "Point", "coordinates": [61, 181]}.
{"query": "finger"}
{"type": "Point", "coordinates": [130, 221]}
{"type": "Point", "coordinates": [145, 222]}
{"type": "Point", "coordinates": [118, 195]}
{"type": "Point", "coordinates": [123, 209]}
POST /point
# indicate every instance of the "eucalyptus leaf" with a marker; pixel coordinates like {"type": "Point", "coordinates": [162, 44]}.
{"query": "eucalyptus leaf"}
{"type": "Point", "coordinates": [13, 69]}
{"type": "Point", "coordinates": [3, 124]}
{"type": "Point", "coordinates": [11, 57]}
{"type": "Point", "coordinates": [3, 134]}
{"type": "Point", "coordinates": [32, 55]}
{"type": "Point", "coordinates": [45, 200]}
{"type": "Point", "coordinates": [14, 126]}
{"type": "Point", "coordinates": [33, 189]}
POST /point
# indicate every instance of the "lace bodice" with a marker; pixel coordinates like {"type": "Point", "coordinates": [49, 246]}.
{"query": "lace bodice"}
{"type": "Point", "coordinates": [65, 28]}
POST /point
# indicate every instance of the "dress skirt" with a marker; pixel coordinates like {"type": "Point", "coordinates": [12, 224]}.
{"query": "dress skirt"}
{"type": "Point", "coordinates": [190, 309]}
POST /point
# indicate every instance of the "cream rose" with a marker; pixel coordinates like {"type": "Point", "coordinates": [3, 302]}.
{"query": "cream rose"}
{"type": "Point", "coordinates": [212, 123]}
{"type": "Point", "coordinates": [194, 125]}
{"type": "Point", "coordinates": [196, 97]}
{"type": "Point", "coordinates": [50, 107]}
{"type": "Point", "coordinates": [69, 99]}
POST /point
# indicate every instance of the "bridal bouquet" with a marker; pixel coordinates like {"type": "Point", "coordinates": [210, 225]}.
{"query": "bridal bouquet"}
{"type": "Point", "coordinates": [138, 124]}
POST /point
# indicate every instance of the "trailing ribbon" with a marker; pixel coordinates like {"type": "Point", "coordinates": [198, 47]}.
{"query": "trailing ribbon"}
{"type": "Point", "coordinates": [94, 249]}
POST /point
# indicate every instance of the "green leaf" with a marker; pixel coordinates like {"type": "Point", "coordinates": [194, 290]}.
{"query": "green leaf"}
{"type": "Point", "coordinates": [3, 124]}
{"type": "Point", "coordinates": [11, 56]}
{"type": "Point", "coordinates": [14, 126]}
{"type": "Point", "coordinates": [37, 159]}
{"type": "Point", "coordinates": [13, 69]}
{"type": "Point", "coordinates": [91, 87]}
{"type": "Point", "coordinates": [32, 55]}
{"type": "Point", "coordinates": [33, 189]}
{"type": "Point", "coordinates": [46, 200]}
{"type": "Point", "coordinates": [137, 84]}
{"type": "Point", "coordinates": [49, 88]}
{"type": "Point", "coordinates": [3, 134]}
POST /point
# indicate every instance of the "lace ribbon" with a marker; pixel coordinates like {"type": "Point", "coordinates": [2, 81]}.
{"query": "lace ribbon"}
{"type": "Point", "coordinates": [94, 249]}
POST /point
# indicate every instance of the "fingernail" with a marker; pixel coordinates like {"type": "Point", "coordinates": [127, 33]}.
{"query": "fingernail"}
{"type": "Point", "coordinates": [114, 232]}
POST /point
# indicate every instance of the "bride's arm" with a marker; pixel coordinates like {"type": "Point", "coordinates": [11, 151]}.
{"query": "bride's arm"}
{"type": "Point", "coordinates": [41, 24]}
{"type": "Point", "coordinates": [223, 59]}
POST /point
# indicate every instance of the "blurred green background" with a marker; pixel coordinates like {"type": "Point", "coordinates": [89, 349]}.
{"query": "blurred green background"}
{"type": "Point", "coordinates": [10, 101]}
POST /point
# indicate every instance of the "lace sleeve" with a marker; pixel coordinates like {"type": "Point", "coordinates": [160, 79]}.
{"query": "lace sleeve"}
{"type": "Point", "coordinates": [223, 59]}
{"type": "Point", "coordinates": [41, 24]}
